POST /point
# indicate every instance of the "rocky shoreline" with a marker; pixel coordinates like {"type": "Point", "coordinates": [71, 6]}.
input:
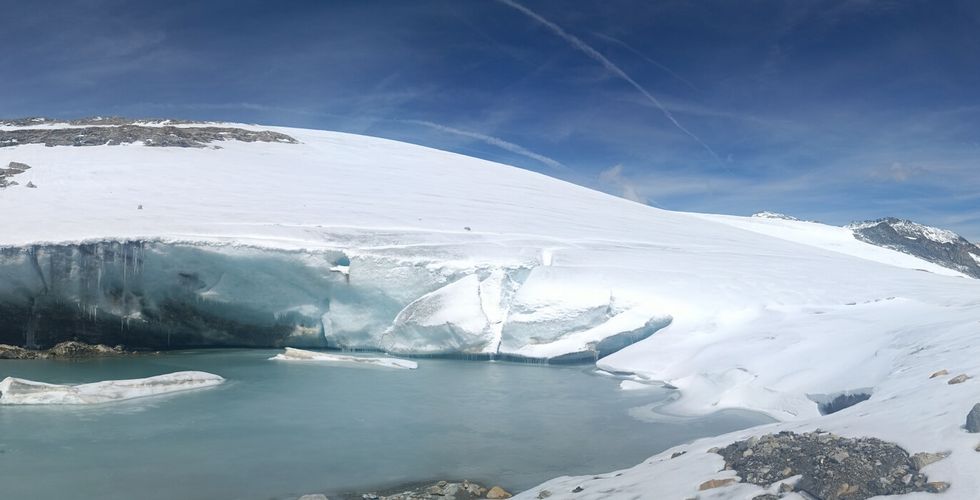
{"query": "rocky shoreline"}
{"type": "Point", "coordinates": [65, 350]}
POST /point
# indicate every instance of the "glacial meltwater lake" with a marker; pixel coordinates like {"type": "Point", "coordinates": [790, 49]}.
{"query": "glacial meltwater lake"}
{"type": "Point", "coordinates": [278, 429]}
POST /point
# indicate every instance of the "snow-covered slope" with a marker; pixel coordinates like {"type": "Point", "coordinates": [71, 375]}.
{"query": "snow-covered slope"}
{"type": "Point", "coordinates": [374, 242]}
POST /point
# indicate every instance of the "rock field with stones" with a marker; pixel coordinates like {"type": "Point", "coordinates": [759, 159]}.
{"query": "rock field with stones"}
{"type": "Point", "coordinates": [830, 467]}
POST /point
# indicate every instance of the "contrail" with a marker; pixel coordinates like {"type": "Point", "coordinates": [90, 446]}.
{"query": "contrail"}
{"type": "Point", "coordinates": [647, 58]}
{"type": "Point", "coordinates": [594, 54]}
{"type": "Point", "coordinates": [493, 141]}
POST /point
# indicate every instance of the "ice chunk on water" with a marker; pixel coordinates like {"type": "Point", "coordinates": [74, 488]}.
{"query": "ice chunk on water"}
{"type": "Point", "coordinates": [292, 354]}
{"type": "Point", "coordinates": [17, 391]}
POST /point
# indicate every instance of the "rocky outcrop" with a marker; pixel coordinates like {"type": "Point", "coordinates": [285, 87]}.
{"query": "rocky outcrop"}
{"type": "Point", "coordinates": [13, 169]}
{"type": "Point", "coordinates": [157, 136]}
{"type": "Point", "coordinates": [935, 245]}
{"type": "Point", "coordinates": [65, 350]}
{"type": "Point", "coordinates": [16, 352]}
{"type": "Point", "coordinates": [830, 467]}
{"type": "Point", "coordinates": [94, 120]}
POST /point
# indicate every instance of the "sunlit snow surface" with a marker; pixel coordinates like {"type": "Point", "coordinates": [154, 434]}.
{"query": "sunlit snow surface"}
{"type": "Point", "coordinates": [17, 391]}
{"type": "Point", "coordinates": [761, 312]}
{"type": "Point", "coordinates": [292, 354]}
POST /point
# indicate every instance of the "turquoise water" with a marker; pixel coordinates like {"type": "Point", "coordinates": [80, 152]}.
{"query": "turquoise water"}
{"type": "Point", "coordinates": [279, 430]}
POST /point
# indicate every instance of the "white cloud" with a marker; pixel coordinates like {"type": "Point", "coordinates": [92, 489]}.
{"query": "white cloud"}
{"type": "Point", "coordinates": [614, 176]}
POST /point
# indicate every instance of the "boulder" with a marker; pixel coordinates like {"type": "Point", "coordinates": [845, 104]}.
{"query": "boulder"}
{"type": "Point", "coordinates": [973, 419]}
{"type": "Point", "coordinates": [959, 379]}
{"type": "Point", "coordinates": [497, 493]}
{"type": "Point", "coordinates": [716, 483]}
{"type": "Point", "coordinates": [923, 459]}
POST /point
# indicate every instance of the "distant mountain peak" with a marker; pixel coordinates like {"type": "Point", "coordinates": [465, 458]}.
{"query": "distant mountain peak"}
{"type": "Point", "coordinates": [773, 215]}
{"type": "Point", "coordinates": [939, 246]}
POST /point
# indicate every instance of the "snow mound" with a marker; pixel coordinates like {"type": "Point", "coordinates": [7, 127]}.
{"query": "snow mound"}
{"type": "Point", "coordinates": [292, 354]}
{"type": "Point", "coordinates": [17, 391]}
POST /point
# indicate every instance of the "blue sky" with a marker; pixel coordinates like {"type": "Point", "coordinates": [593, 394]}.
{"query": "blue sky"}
{"type": "Point", "coordinates": [826, 110]}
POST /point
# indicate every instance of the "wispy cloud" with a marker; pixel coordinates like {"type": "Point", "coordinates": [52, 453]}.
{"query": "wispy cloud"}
{"type": "Point", "coordinates": [585, 48]}
{"type": "Point", "coordinates": [898, 172]}
{"type": "Point", "coordinates": [488, 139]}
{"type": "Point", "coordinates": [615, 177]}
{"type": "Point", "coordinates": [647, 58]}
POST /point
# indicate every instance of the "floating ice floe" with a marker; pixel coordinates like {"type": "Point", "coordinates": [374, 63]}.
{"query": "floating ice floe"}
{"type": "Point", "coordinates": [292, 354]}
{"type": "Point", "coordinates": [18, 391]}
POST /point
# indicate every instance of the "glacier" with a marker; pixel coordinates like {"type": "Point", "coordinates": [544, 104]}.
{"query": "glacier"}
{"type": "Point", "coordinates": [167, 295]}
{"type": "Point", "coordinates": [354, 242]}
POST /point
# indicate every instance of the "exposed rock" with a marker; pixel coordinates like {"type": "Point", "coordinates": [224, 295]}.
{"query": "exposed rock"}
{"type": "Point", "coordinates": [75, 349]}
{"type": "Point", "coordinates": [544, 494]}
{"type": "Point", "coordinates": [95, 120]}
{"type": "Point", "coordinates": [831, 467]}
{"type": "Point", "coordinates": [923, 459]}
{"type": "Point", "coordinates": [677, 454]}
{"type": "Point", "coordinates": [18, 166]}
{"type": "Point", "coordinates": [7, 174]}
{"type": "Point", "coordinates": [157, 136]}
{"type": "Point", "coordinates": [315, 496]}
{"type": "Point", "coordinates": [959, 379]}
{"type": "Point", "coordinates": [14, 352]}
{"type": "Point", "coordinates": [940, 373]}
{"type": "Point", "coordinates": [935, 245]}
{"type": "Point", "coordinates": [937, 486]}
{"type": "Point", "coordinates": [31, 185]}
{"type": "Point", "coordinates": [442, 490]}
{"type": "Point", "coordinates": [716, 483]}
{"type": "Point", "coordinates": [766, 496]}
{"type": "Point", "coordinates": [973, 420]}
{"type": "Point", "coordinates": [65, 350]}
{"type": "Point", "coordinates": [497, 493]}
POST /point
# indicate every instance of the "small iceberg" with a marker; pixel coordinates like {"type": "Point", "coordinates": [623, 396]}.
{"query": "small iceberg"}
{"type": "Point", "coordinates": [292, 354]}
{"type": "Point", "coordinates": [18, 391]}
